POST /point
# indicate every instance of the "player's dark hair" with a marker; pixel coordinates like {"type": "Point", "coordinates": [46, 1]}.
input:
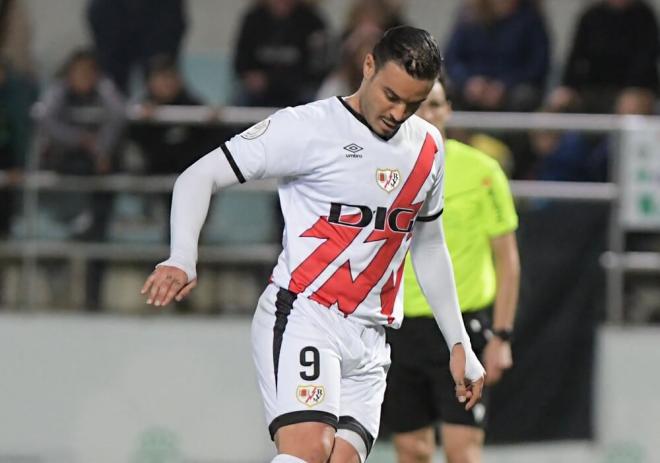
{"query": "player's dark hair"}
{"type": "Point", "coordinates": [414, 49]}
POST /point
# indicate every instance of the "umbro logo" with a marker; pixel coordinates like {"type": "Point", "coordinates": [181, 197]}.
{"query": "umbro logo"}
{"type": "Point", "coordinates": [353, 150]}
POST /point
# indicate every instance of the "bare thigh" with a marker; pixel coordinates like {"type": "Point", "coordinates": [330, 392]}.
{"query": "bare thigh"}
{"type": "Point", "coordinates": [309, 441]}
{"type": "Point", "coordinates": [462, 444]}
{"type": "Point", "coordinates": [415, 446]}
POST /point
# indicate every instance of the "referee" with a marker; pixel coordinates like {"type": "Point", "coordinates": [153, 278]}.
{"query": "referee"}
{"type": "Point", "coordinates": [480, 222]}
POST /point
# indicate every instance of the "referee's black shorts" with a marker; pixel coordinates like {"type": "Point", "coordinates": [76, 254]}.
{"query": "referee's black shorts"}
{"type": "Point", "coordinates": [420, 389]}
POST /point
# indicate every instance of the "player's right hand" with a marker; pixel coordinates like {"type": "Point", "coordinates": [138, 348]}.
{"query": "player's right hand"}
{"type": "Point", "coordinates": [466, 390]}
{"type": "Point", "coordinates": [166, 283]}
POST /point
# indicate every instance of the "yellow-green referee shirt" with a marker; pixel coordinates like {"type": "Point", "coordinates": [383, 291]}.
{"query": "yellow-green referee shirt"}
{"type": "Point", "coordinates": [478, 206]}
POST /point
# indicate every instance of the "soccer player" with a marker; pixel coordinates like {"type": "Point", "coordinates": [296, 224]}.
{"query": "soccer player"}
{"type": "Point", "coordinates": [479, 222]}
{"type": "Point", "coordinates": [359, 177]}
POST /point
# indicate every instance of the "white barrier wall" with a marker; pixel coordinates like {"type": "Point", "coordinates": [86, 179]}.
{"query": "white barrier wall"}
{"type": "Point", "coordinates": [157, 389]}
{"type": "Point", "coordinates": [114, 390]}
{"type": "Point", "coordinates": [627, 394]}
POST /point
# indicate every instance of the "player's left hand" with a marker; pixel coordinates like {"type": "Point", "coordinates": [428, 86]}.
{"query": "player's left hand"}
{"type": "Point", "coordinates": [468, 392]}
{"type": "Point", "coordinates": [497, 358]}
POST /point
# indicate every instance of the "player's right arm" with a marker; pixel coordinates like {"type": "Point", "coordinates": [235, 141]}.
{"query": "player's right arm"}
{"type": "Point", "coordinates": [176, 277]}
{"type": "Point", "coordinates": [266, 150]}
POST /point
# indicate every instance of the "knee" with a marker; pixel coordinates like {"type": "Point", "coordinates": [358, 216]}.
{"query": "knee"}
{"type": "Point", "coordinates": [414, 448]}
{"type": "Point", "coordinates": [465, 452]}
{"type": "Point", "coordinates": [309, 454]}
{"type": "Point", "coordinates": [311, 442]}
{"type": "Point", "coordinates": [316, 452]}
{"type": "Point", "coordinates": [321, 450]}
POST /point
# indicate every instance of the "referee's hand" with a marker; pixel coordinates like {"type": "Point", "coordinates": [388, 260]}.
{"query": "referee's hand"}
{"type": "Point", "coordinates": [466, 390]}
{"type": "Point", "coordinates": [167, 283]}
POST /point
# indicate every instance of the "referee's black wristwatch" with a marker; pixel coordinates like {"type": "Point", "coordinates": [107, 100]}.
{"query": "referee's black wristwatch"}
{"type": "Point", "coordinates": [505, 334]}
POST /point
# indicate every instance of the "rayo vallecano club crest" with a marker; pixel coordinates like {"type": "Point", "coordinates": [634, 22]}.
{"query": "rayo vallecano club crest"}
{"type": "Point", "coordinates": [388, 179]}
{"type": "Point", "coordinates": [310, 394]}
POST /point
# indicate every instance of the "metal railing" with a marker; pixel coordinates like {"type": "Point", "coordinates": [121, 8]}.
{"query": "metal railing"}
{"type": "Point", "coordinates": [616, 261]}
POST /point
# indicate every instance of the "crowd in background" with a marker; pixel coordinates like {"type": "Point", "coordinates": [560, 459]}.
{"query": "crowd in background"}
{"type": "Point", "coordinates": [497, 58]}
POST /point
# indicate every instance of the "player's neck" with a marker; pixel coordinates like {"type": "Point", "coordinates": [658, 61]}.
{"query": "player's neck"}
{"type": "Point", "coordinates": [354, 102]}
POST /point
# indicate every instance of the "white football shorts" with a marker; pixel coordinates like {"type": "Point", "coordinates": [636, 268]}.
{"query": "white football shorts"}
{"type": "Point", "coordinates": [313, 364]}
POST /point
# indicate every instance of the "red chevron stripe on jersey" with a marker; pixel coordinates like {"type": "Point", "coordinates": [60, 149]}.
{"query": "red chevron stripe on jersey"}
{"type": "Point", "coordinates": [337, 239]}
{"type": "Point", "coordinates": [341, 288]}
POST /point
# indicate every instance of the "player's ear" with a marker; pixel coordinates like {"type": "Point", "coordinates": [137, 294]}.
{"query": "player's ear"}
{"type": "Point", "coordinates": [369, 66]}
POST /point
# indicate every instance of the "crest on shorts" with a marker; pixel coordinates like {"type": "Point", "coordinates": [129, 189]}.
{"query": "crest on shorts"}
{"type": "Point", "coordinates": [310, 394]}
{"type": "Point", "coordinates": [256, 130]}
{"type": "Point", "coordinates": [388, 179]}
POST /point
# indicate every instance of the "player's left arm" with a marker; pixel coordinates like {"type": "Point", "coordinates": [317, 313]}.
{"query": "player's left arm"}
{"type": "Point", "coordinates": [432, 265]}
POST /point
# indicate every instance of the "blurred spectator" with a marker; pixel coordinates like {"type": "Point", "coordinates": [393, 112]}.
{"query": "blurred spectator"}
{"type": "Point", "coordinates": [130, 32]}
{"type": "Point", "coordinates": [18, 92]}
{"type": "Point", "coordinates": [16, 98]}
{"type": "Point", "coordinates": [346, 79]}
{"type": "Point", "coordinates": [168, 149]}
{"type": "Point", "coordinates": [12, 153]}
{"type": "Point", "coordinates": [380, 14]}
{"type": "Point", "coordinates": [566, 156]}
{"type": "Point", "coordinates": [281, 55]}
{"type": "Point", "coordinates": [16, 36]}
{"type": "Point", "coordinates": [612, 66]}
{"type": "Point", "coordinates": [498, 56]}
{"type": "Point", "coordinates": [559, 156]}
{"type": "Point", "coordinates": [82, 144]}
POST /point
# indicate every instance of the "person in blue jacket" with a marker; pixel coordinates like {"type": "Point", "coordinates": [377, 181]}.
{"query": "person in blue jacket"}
{"type": "Point", "coordinates": [498, 56]}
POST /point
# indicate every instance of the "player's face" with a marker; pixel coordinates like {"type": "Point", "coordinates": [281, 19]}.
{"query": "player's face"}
{"type": "Point", "coordinates": [390, 96]}
{"type": "Point", "coordinates": [436, 109]}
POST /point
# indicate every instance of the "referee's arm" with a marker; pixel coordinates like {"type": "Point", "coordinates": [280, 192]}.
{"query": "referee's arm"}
{"type": "Point", "coordinates": [500, 222]}
{"type": "Point", "coordinates": [497, 355]}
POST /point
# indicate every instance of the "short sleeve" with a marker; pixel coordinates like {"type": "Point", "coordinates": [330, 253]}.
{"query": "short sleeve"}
{"type": "Point", "coordinates": [435, 198]}
{"type": "Point", "coordinates": [272, 148]}
{"type": "Point", "coordinates": [500, 212]}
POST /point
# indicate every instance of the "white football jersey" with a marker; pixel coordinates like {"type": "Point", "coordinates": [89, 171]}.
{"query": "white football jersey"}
{"type": "Point", "coordinates": [349, 199]}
